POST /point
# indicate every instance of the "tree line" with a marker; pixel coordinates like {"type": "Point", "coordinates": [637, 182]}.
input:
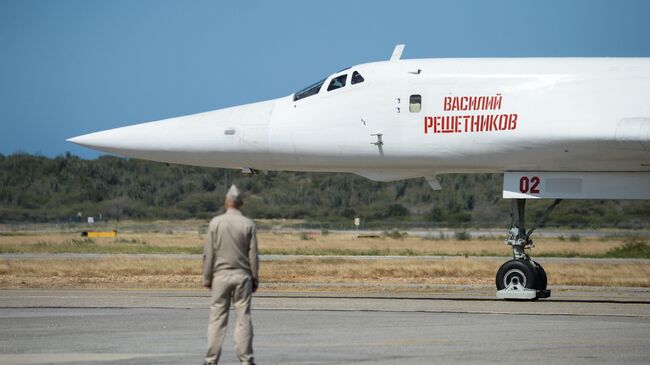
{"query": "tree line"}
{"type": "Point", "coordinates": [41, 189]}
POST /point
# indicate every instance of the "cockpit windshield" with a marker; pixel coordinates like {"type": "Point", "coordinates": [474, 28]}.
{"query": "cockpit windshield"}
{"type": "Point", "coordinates": [309, 90]}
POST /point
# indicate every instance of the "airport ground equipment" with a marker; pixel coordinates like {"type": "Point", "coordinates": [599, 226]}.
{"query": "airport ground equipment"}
{"type": "Point", "coordinates": [99, 234]}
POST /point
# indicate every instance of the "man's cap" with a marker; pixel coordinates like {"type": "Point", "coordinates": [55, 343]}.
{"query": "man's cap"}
{"type": "Point", "coordinates": [234, 195]}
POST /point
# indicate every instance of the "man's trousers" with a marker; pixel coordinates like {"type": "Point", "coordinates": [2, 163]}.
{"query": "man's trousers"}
{"type": "Point", "coordinates": [227, 286]}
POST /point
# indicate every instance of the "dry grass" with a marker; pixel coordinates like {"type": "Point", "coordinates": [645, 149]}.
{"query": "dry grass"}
{"type": "Point", "coordinates": [293, 243]}
{"type": "Point", "coordinates": [154, 239]}
{"type": "Point", "coordinates": [450, 271]}
{"type": "Point", "coordinates": [116, 272]}
{"type": "Point", "coordinates": [128, 272]}
{"type": "Point", "coordinates": [289, 243]}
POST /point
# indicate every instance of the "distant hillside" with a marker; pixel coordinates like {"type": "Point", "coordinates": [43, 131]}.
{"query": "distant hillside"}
{"type": "Point", "coordinates": [36, 188]}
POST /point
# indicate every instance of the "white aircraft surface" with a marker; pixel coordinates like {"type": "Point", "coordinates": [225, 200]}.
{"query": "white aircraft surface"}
{"type": "Point", "coordinates": [558, 128]}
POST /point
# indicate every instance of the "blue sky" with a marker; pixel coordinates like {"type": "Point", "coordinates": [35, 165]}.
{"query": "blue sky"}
{"type": "Point", "coordinates": [73, 67]}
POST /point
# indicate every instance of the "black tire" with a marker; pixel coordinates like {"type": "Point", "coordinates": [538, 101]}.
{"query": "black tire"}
{"type": "Point", "coordinates": [522, 271]}
{"type": "Point", "coordinates": [542, 279]}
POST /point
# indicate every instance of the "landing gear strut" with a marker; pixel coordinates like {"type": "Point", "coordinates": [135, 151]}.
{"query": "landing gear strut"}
{"type": "Point", "coordinates": [522, 278]}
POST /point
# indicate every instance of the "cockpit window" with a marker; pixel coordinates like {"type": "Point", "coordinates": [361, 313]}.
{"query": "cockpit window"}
{"type": "Point", "coordinates": [356, 78]}
{"type": "Point", "coordinates": [337, 82]}
{"type": "Point", "coordinates": [310, 90]}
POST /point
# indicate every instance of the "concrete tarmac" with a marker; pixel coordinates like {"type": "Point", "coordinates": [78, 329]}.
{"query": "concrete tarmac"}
{"type": "Point", "coordinates": [450, 325]}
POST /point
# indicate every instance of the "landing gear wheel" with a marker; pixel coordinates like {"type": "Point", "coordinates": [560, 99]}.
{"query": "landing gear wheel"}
{"type": "Point", "coordinates": [542, 279]}
{"type": "Point", "coordinates": [522, 278]}
{"type": "Point", "coordinates": [518, 272]}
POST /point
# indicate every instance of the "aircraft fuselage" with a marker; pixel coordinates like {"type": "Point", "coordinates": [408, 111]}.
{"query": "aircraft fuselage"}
{"type": "Point", "coordinates": [412, 118]}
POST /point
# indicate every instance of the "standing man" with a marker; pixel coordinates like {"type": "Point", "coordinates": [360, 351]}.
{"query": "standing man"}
{"type": "Point", "coordinates": [230, 267]}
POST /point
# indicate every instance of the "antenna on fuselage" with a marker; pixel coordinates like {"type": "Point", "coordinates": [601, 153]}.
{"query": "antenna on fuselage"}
{"type": "Point", "coordinates": [397, 52]}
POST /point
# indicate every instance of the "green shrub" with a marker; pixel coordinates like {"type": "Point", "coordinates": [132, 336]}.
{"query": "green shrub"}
{"type": "Point", "coordinates": [574, 237]}
{"type": "Point", "coordinates": [395, 234]}
{"type": "Point", "coordinates": [633, 247]}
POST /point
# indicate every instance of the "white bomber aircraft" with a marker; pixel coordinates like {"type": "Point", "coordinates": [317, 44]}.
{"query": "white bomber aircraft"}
{"type": "Point", "coordinates": [557, 128]}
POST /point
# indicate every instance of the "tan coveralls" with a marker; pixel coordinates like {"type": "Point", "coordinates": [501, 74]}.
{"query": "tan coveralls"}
{"type": "Point", "coordinates": [230, 264]}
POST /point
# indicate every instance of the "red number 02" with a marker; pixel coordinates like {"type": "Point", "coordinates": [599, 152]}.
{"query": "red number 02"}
{"type": "Point", "coordinates": [529, 184]}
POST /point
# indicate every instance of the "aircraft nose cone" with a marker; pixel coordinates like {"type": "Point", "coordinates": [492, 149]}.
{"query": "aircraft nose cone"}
{"type": "Point", "coordinates": [205, 139]}
{"type": "Point", "coordinates": [161, 139]}
{"type": "Point", "coordinates": [76, 140]}
{"type": "Point", "coordinates": [87, 140]}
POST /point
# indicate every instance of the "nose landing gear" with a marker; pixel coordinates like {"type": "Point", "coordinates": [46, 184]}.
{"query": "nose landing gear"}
{"type": "Point", "coordinates": [522, 278]}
